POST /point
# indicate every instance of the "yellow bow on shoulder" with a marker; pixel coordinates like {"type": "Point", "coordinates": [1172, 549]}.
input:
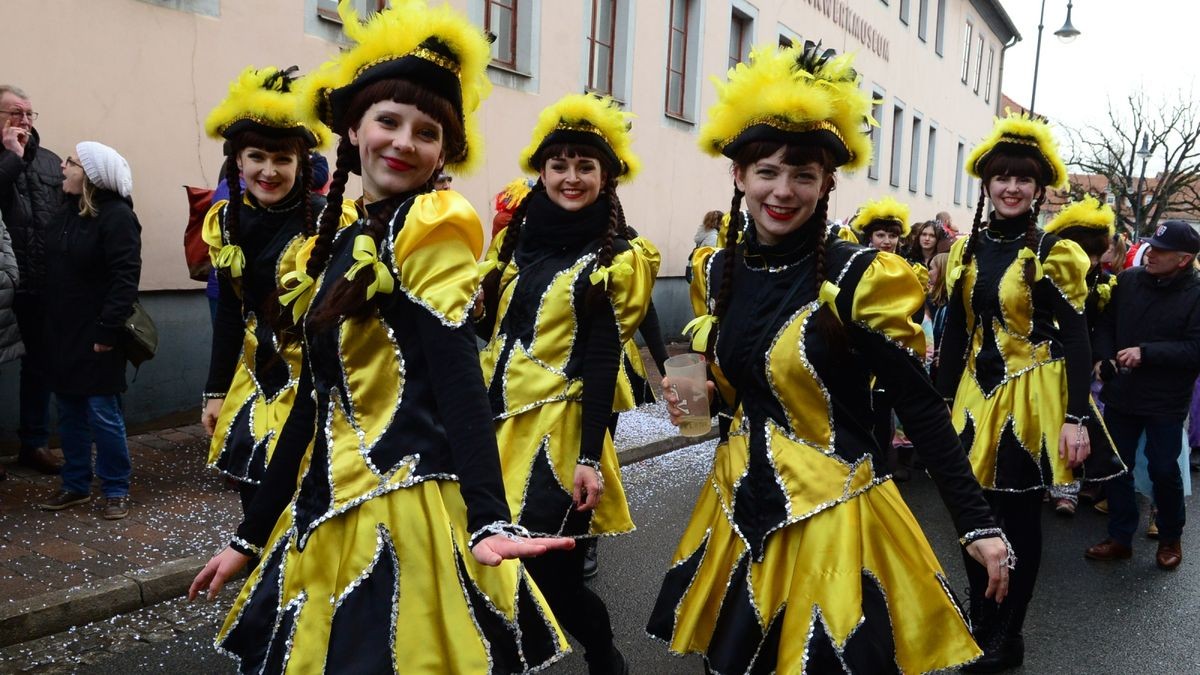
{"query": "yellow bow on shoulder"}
{"type": "Point", "coordinates": [486, 267]}
{"type": "Point", "coordinates": [231, 257]}
{"type": "Point", "coordinates": [700, 328]}
{"type": "Point", "coordinates": [615, 270]}
{"type": "Point", "coordinates": [828, 296]}
{"type": "Point", "coordinates": [367, 256]}
{"type": "Point", "coordinates": [299, 288]}
{"type": "Point", "coordinates": [1027, 254]}
{"type": "Point", "coordinates": [954, 275]}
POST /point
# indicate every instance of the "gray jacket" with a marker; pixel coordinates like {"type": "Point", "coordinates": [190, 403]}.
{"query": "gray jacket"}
{"type": "Point", "coordinates": [10, 336]}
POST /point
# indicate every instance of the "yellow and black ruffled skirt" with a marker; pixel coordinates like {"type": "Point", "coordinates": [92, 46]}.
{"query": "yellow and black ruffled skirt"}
{"type": "Point", "coordinates": [539, 451]}
{"type": "Point", "coordinates": [1011, 436]}
{"type": "Point", "coordinates": [255, 408]}
{"type": "Point", "coordinates": [389, 586]}
{"type": "Point", "coordinates": [854, 588]}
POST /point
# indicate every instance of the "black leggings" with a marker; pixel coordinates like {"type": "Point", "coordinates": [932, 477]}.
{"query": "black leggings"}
{"type": "Point", "coordinates": [1019, 514]}
{"type": "Point", "coordinates": [559, 575]}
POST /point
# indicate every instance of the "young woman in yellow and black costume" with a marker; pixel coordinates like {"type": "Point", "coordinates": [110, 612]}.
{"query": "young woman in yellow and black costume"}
{"type": "Point", "coordinates": [390, 556]}
{"type": "Point", "coordinates": [800, 555]}
{"type": "Point", "coordinates": [566, 290]}
{"type": "Point", "coordinates": [1092, 225]}
{"type": "Point", "coordinates": [253, 238]}
{"type": "Point", "coordinates": [1016, 364]}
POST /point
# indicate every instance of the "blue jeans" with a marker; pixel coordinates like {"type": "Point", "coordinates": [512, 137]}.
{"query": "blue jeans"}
{"type": "Point", "coordinates": [82, 420]}
{"type": "Point", "coordinates": [1164, 441]}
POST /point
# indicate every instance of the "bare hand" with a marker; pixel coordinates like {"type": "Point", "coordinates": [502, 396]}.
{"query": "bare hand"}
{"type": "Point", "coordinates": [100, 349]}
{"type": "Point", "coordinates": [589, 487]}
{"type": "Point", "coordinates": [220, 569]}
{"type": "Point", "coordinates": [1074, 444]}
{"type": "Point", "coordinates": [497, 548]}
{"type": "Point", "coordinates": [993, 555]}
{"type": "Point", "coordinates": [1130, 357]}
{"type": "Point", "coordinates": [208, 416]}
{"type": "Point", "coordinates": [14, 138]}
{"type": "Point", "coordinates": [671, 396]}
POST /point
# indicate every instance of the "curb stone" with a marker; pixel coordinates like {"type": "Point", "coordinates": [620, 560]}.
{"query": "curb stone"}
{"type": "Point", "coordinates": [56, 611]}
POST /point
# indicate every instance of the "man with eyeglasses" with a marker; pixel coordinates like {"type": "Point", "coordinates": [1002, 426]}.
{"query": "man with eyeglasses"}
{"type": "Point", "coordinates": [30, 194]}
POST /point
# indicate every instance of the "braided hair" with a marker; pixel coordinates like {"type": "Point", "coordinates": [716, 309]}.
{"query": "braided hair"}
{"type": "Point", "coordinates": [348, 297]}
{"type": "Point", "coordinates": [512, 234]}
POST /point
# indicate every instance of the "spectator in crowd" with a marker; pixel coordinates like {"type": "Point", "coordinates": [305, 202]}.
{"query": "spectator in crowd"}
{"type": "Point", "coordinates": [443, 181]}
{"type": "Point", "coordinates": [93, 264]}
{"type": "Point", "coordinates": [10, 335]}
{"type": "Point", "coordinates": [1148, 343]}
{"type": "Point", "coordinates": [926, 243]}
{"type": "Point", "coordinates": [943, 221]}
{"type": "Point", "coordinates": [706, 235]}
{"type": "Point", "coordinates": [30, 194]}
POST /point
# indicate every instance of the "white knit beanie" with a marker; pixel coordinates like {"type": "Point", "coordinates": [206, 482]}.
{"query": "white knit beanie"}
{"type": "Point", "coordinates": [105, 167]}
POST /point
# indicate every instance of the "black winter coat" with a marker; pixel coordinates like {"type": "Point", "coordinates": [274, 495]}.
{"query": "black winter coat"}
{"type": "Point", "coordinates": [30, 198]}
{"type": "Point", "coordinates": [1163, 318]}
{"type": "Point", "coordinates": [93, 265]}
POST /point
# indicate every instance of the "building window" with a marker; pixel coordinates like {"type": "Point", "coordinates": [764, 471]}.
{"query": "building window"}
{"type": "Point", "coordinates": [966, 59]}
{"type": "Point", "coordinates": [914, 160]}
{"type": "Point", "coordinates": [987, 93]}
{"type": "Point", "coordinates": [897, 143]}
{"type": "Point", "coordinates": [681, 57]}
{"type": "Point", "coordinates": [958, 172]}
{"type": "Point", "coordinates": [327, 9]}
{"type": "Point", "coordinates": [939, 33]}
{"type": "Point", "coordinates": [500, 19]}
{"type": "Point", "coordinates": [741, 34]}
{"type": "Point", "coordinates": [602, 46]}
{"type": "Point", "coordinates": [978, 63]}
{"type": "Point", "coordinates": [203, 7]}
{"type": "Point", "coordinates": [930, 154]}
{"type": "Point", "coordinates": [1110, 199]}
{"type": "Point", "coordinates": [904, 12]}
{"type": "Point", "coordinates": [922, 19]}
{"type": "Point", "coordinates": [876, 132]}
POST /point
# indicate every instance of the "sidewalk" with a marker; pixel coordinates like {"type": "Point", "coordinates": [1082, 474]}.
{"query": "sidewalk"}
{"type": "Point", "coordinates": [59, 569]}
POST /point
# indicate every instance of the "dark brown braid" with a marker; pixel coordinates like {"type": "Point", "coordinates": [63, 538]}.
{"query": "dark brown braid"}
{"type": "Point", "coordinates": [973, 238]}
{"type": "Point", "coordinates": [512, 233]}
{"type": "Point", "coordinates": [1031, 239]}
{"type": "Point", "coordinates": [826, 320]}
{"type": "Point", "coordinates": [347, 154]}
{"type": "Point", "coordinates": [306, 183]}
{"type": "Point", "coordinates": [721, 306]}
{"type": "Point", "coordinates": [597, 295]}
{"type": "Point", "coordinates": [233, 177]}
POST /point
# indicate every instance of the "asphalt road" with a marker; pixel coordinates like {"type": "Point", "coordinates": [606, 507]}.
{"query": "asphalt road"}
{"type": "Point", "coordinates": [1087, 617]}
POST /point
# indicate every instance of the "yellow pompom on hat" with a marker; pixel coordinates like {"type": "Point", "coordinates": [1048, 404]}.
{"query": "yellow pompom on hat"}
{"type": "Point", "coordinates": [1020, 134]}
{"type": "Point", "coordinates": [266, 101]}
{"type": "Point", "coordinates": [881, 211]}
{"type": "Point", "coordinates": [585, 119]}
{"type": "Point", "coordinates": [1087, 212]}
{"type": "Point", "coordinates": [437, 49]}
{"type": "Point", "coordinates": [796, 96]}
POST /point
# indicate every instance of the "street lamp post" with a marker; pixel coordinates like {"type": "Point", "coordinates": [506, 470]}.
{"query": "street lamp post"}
{"type": "Point", "coordinates": [1143, 152]}
{"type": "Point", "coordinates": [1067, 33]}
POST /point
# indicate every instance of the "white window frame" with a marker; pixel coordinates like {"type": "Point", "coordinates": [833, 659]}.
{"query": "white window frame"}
{"type": "Point", "coordinates": [622, 74]}
{"type": "Point", "coordinates": [202, 7]}
{"type": "Point", "coordinates": [923, 20]}
{"type": "Point", "coordinates": [930, 158]}
{"type": "Point", "coordinates": [968, 33]}
{"type": "Point", "coordinates": [691, 64]}
{"type": "Point", "coordinates": [978, 62]}
{"type": "Point", "coordinates": [959, 171]}
{"type": "Point", "coordinates": [939, 36]}
{"type": "Point", "coordinates": [749, 13]}
{"type": "Point", "coordinates": [787, 33]}
{"type": "Point", "coordinates": [896, 166]}
{"type": "Point", "coordinates": [877, 102]}
{"type": "Point", "coordinates": [914, 159]}
{"type": "Point", "coordinates": [529, 40]}
{"type": "Point", "coordinates": [987, 92]}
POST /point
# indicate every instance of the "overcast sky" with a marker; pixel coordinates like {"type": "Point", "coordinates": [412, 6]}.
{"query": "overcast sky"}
{"type": "Point", "coordinates": [1153, 44]}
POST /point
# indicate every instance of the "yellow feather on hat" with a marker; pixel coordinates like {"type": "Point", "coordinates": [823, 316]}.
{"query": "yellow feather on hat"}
{"type": "Point", "coordinates": [882, 210]}
{"type": "Point", "coordinates": [792, 90]}
{"type": "Point", "coordinates": [402, 30]}
{"type": "Point", "coordinates": [590, 114]}
{"type": "Point", "coordinates": [266, 97]}
{"type": "Point", "coordinates": [1087, 212]}
{"type": "Point", "coordinates": [1019, 129]}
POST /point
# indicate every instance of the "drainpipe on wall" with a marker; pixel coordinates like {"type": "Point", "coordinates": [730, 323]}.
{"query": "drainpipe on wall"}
{"type": "Point", "coordinates": [1011, 42]}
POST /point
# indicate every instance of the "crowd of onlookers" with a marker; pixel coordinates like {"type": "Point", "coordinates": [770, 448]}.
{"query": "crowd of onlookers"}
{"type": "Point", "coordinates": [70, 262]}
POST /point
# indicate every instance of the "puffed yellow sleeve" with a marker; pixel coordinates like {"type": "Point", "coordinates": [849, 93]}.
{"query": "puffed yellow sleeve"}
{"type": "Point", "coordinates": [1066, 266]}
{"type": "Point", "coordinates": [887, 297]}
{"type": "Point", "coordinates": [296, 258]}
{"type": "Point", "coordinates": [435, 255]}
{"type": "Point", "coordinates": [211, 232]}
{"type": "Point", "coordinates": [649, 251]}
{"type": "Point", "coordinates": [701, 257]}
{"type": "Point", "coordinates": [630, 292]}
{"type": "Point", "coordinates": [922, 273]}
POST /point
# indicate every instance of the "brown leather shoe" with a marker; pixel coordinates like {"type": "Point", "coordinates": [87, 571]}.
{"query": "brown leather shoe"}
{"type": "Point", "coordinates": [40, 459]}
{"type": "Point", "coordinates": [1109, 549]}
{"type": "Point", "coordinates": [1169, 555]}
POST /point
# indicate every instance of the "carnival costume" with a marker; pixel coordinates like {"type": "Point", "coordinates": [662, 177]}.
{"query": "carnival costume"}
{"type": "Point", "coordinates": [1090, 215]}
{"type": "Point", "coordinates": [546, 348]}
{"type": "Point", "coordinates": [633, 384]}
{"type": "Point", "coordinates": [800, 555]}
{"type": "Point", "coordinates": [369, 568]}
{"type": "Point", "coordinates": [253, 367]}
{"type": "Point", "coordinates": [1016, 364]}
